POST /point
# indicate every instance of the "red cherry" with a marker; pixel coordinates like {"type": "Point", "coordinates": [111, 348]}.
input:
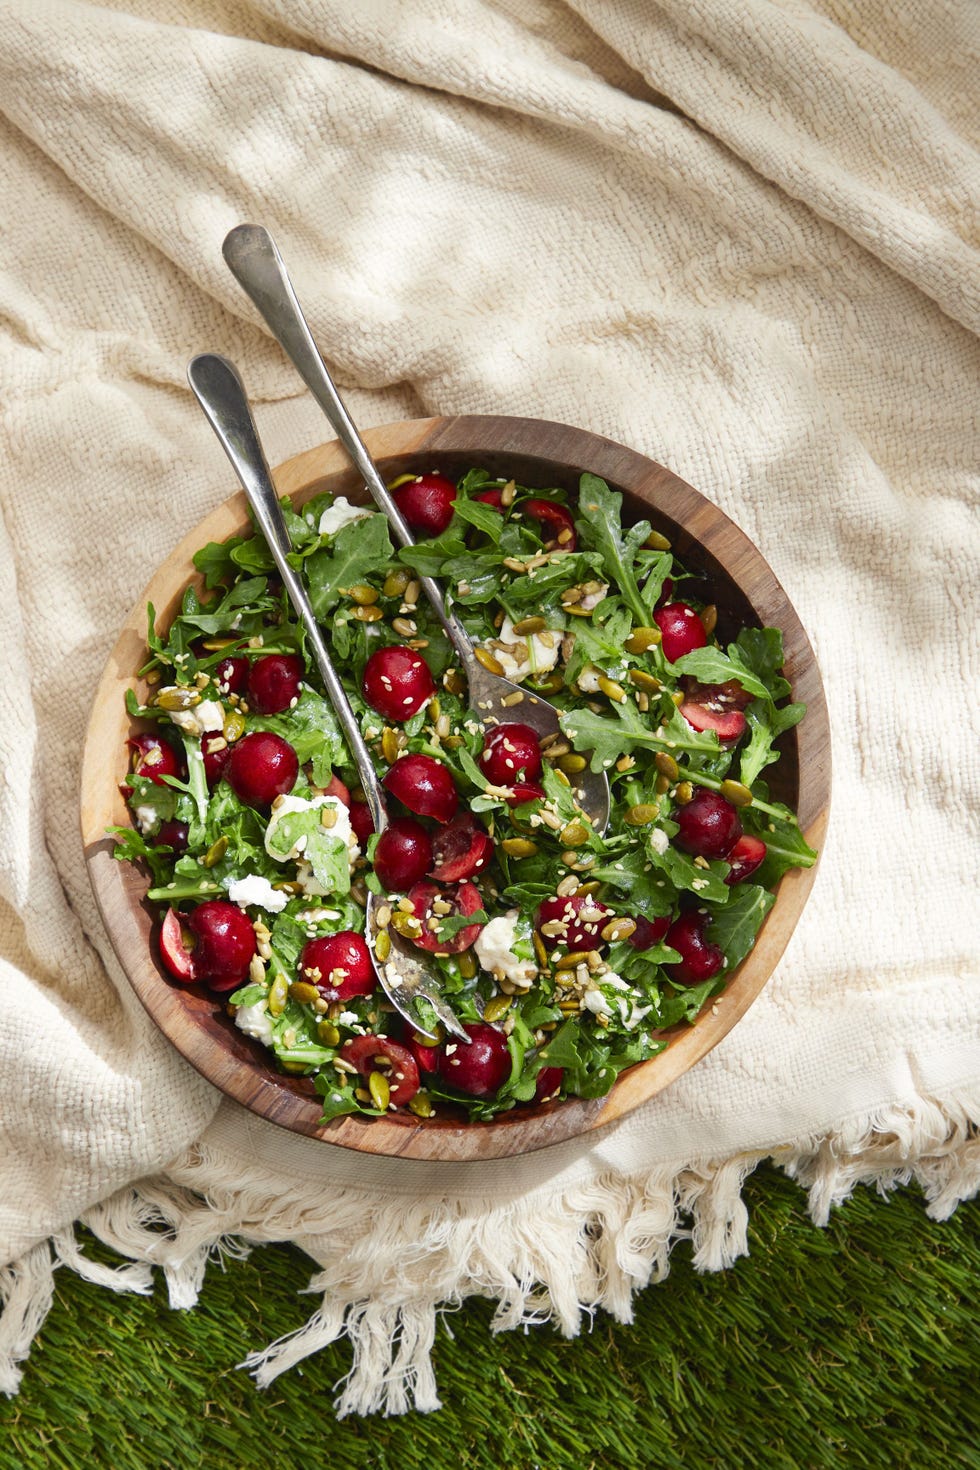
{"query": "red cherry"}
{"type": "Point", "coordinates": [173, 834]}
{"type": "Point", "coordinates": [715, 707]}
{"type": "Point", "coordinates": [557, 526]}
{"type": "Point", "coordinates": [583, 918]}
{"type": "Point", "coordinates": [176, 948]}
{"type": "Point", "coordinates": [154, 757]}
{"type": "Point", "coordinates": [492, 497]}
{"type": "Point", "coordinates": [397, 682]}
{"type": "Point", "coordinates": [728, 725]}
{"type": "Point", "coordinates": [339, 965]}
{"type": "Point", "coordinates": [225, 943]}
{"type": "Point", "coordinates": [335, 787]}
{"type": "Point", "coordinates": [215, 752]}
{"type": "Point", "coordinates": [403, 854]}
{"type": "Point", "coordinates": [666, 591]}
{"type": "Point", "coordinates": [464, 899]}
{"type": "Point", "coordinates": [461, 849]}
{"type": "Point", "coordinates": [524, 791]}
{"type": "Point", "coordinates": [482, 1067]}
{"type": "Point", "coordinates": [648, 932]}
{"type": "Point", "coordinates": [547, 1083]}
{"type": "Point", "coordinates": [274, 682]}
{"type": "Point", "coordinates": [426, 1057]}
{"type": "Point", "coordinates": [401, 1071]}
{"type": "Point", "coordinates": [511, 753]}
{"type": "Point", "coordinates": [261, 767]}
{"type": "Point", "coordinates": [426, 503]}
{"type": "Point", "coordinates": [699, 959]}
{"type": "Point", "coordinates": [681, 630]}
{"type": "Point", "coordinates": [745, 857]}
{"type": "Point", "coordinates": [362, 822]}
{"type": "Point", "coordinates": [424, 785]}
{"type": "Point", "coordinates": [709, 826]}
{"type": "Point", "coordinates": [231, 675]}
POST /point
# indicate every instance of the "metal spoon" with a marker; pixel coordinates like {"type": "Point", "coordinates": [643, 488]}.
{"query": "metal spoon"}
{"type": "Point", "coordinates": [221, 394]}
{"type": "Point", "coordinates": [254, 260]}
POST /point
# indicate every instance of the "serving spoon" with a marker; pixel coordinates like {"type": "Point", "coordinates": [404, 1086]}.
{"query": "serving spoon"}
{"type": "Point", "coordinates": [254, 260]}
{"type": "Point", "coordinates": [404, 977]}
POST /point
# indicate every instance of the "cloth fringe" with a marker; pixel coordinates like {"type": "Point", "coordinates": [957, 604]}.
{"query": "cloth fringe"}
{"type": "Point", "coordinates": [542, 1259]}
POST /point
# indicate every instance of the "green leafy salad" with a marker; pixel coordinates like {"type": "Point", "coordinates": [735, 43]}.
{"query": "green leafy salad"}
{"type": "Point", "coordinates": [564, 952]}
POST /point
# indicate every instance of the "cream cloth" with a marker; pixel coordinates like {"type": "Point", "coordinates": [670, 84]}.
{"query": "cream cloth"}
{"type": "Point", "coordinates": [739, 236]}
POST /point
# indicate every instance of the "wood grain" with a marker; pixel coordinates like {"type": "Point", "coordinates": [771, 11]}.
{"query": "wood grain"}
{"type": "Point", "coordinates": [538, 454]}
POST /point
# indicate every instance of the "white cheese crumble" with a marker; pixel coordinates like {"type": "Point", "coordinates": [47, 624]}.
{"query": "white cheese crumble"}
{"type": "Point", "coordinates": [588, 679]}
{"type": "Point", "coordinates": [339, 515]}
{"type": "Point", "coordinates": [146, 818]}
{"type": "Point", "coordinates": [255, 891]}
{"type": "Point", "coordinates": [659, 840]}
{"type": "Point", "coordinates": [341, 827]}
{"type": "Point", "coordinates": [523, 656]}
{"type": "Point", "coordinates": [255, 1021]}
{"type": "Point", "coordinates": [494, 950]}
{"type": "Point", "coordinates": [208, 715]}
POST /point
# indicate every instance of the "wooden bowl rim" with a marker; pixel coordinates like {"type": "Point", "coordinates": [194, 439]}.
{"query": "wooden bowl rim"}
{"type": "Point", "coordinates": [196, 1025]}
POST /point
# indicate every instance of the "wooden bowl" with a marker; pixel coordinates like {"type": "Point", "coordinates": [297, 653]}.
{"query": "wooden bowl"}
{"type": "Point", "coordinates": [539, 454]}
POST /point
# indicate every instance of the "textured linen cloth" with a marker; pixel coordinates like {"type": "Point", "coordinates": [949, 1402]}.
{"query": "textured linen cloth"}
{"type": "Point", "coordinates": [738, 235]}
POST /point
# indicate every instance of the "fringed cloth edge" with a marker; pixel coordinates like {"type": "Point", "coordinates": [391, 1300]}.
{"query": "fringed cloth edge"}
{"type": "Point", "coordinates": [549, 1257]}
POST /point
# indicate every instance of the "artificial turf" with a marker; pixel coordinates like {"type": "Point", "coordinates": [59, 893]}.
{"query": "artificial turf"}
{"type": "Point", "coordinates": [854, 1346]}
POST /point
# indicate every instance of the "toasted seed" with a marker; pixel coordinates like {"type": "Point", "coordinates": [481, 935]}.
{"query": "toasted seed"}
{"type": "Point", "coordinates": [527, 626]}
{"type": "Point", "coordinates": [736, 793]}
{"type": "Point", "coordinates": [421, 1105]}
{"type": "Point", "coordinates": [570, 1007]}
{"type": "Point", "coordinates": [328, 816]}
{"type": "Point", "coordinates": [491, 664]}
{"type": "Point", "coordinates": [404, 627]}
{"type": "Point", "coordinates": [358, 891]}
{"type": "Point", "coordinates": [441, 907]}
{"type": "Point", "coordinates": [575, 610]}
{"type": "Point", "coordinates": [412, 591]}
{"type": "Point", "coordinates": [452, 742]}
{"type": "Point", "coordinates": [611, 689]}
{"type": "Point", "coordinates": [541, 954]}
{"type": "Point", "coordinates": [641, 815]}
{"type": "Point", "coordinates": [176, 696]}
{"type": "Point", "coordinates": [434, 708]}
{"type": "Point", "coordinates": [625, 763]}
{"type": "Point", "coordinates": [234, 726]}
{"type": "Point", "coordinates": [587, 888]}
{"type": "Point", "coordinates": [656, 542]}
{"type": "Point", "coordinates": [327, 1033]}
{"type": "Point", "coordinates": [406, 905]}
{"type": "Point", "coordinates": [684, 793]}
{"type": "Point", "coordinates": [362, 1095]}
{"type": "Point", "coordinates": [390, 745]}
{"type": "Point", "coordinates": [571, 763]}
{"type": "Point", "coordinates": [213, 645]}
{"type": "Point", "coordinates": [642, 680]}
{"type": "Point", "coordinates": [366, 614]}
{"type": "Point", "coordinates": [467, 965]}
{"type": "Point", "coordinates": [570, 858]}
{"type": "Point", "coordinates": [278, 995]}
{"type": "Point", "coordinates": [497, 1008]}
{"type": "Point", "coordinates": [511, 699]}
{"type": "Point", "coordinates": [709, 618]}
{"type": "Point", "coordinates": [256, 969]}
{"type": "Point", "coordinates": [453, 680]}
{"type": "Point", "coordinates": [661, 784]}
{"type": "Point", "coordinates": [395, 583]}
{"type": "Point", "coordinates": [641, 639]}
{"type": "Point", "coordinates": [507, 493]}
{"type": "Point", "coordinates": [383, 916]}
{"type": "Point", "coordinates": [514, 564]}
{"type": "Point", "coordinates": [295, 1068]}
{"type": "Point", "coordinates": [407, 925]}
{"type": "Point", "coordinates": [380, 1090]}
{"type": "Point", "coordinates": [202, 680]}
{"type": "Point", "coordinates": [363, 594]}
{"type": "Point", "coordinates": [666, 765]}
{"type": "Point", "coordinates": [570, 960]}
{"type": "Point", "coordinates": [382, 944]}
{"type": "Point", "coordinates": [643, 701]}
{"type": "Point", "coordinates": [574, 833]}
{"type": "Point", "coordinates": [519, 847]}
{"type": "Point", "coordinates": [678, 698]}
{"type": "Point", "coordinates": [152, 676]}
{"type": "Point", "coordinates": [305, 994]}
{"type": "Point", "coordinates": [215, 852]}
{"type": "Point", "coordinates": [618, 929]}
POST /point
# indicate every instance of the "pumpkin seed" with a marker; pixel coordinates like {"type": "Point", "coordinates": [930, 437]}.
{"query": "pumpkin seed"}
{"type": "Point", "coordinates": [572, 764]}
{"type": "Point", "coordinates": [363, 594]}
{"type": "Point", "coordinates": [420, 1105]}
{"type": "Point", "coordinates": [519, 847]}
{"type": "Point", "coordinates": [541, 954]}
{"type": "Point", "coordinates": [684, 793]}
{"type": "Point", "coordinates": [661, 784]}
{"type": "Point", "coordinates": [618, 929]}
{"type": "Point", "coordinates": [574, 833]}
{"type": "Point", "coordinates": [407, 925]}
{"type": "Point", "coordinates": [327, 1033]}
{"type": "Point", "coordinates": [404, 627]}
{"type": "Point", "coordinates": [368, 614]}
{"type": "Point", "coordinates": [390, 745]}
{"type": "Point", "coordinates": [497, 1008]}
{"type": "Point", "coordinates": [491, 664]}
{"type": "Point", "coordinates": [234, 726]}
{"type": "Point", "coordinates": [434, 708]}
{"type": "Point", "coordinates": [570, 1007]}
{"type": "Point", "coordinates": [453, 681]}
{"type": "Point", "coordinates": [395, 583]}
{"type": "Point", "coordinates": [401, 480]}
{"type": "Point", "coordinates": [295, 1068]}
{"type": "Point", "coordinates": [214, 645]}
{"type": "Point", "coordinates": [328, 816]}
{"type": "Point", "coordinates": [176, 696]}
{"type": "Point", "coordinates": [467, 965]}
{"type": "Point", "coordinates": [573, 958]}
{"type": "Point", "coordinates": [215, 852]}
{"type": "Point", "coordinates": [305, 994]}
{"type": "Point", "coordinates": [666, 765]}
{"type": "Point", "coordinates": [382, 945]}
{"type": "Point", "coordinates": [641, 815]}
{"type": "Point", "coordinates": [656, 542]}
{"type": "Point", "coordinates": [709, 618]}
{"type": "Point", "coordinates": [152, 676]}
{"type": "Point", "coordinates": [429, 1038]}
{"type": "Point", "coordinates": [641, 639]}
{"type": "Point", "coordinates": [527, 626]}
{"type": "Point", "coordinates": [586, 888]}
{"type": "Point", "coordinates": [380, 1090]}
{"type": "Point", "coordinates": [642, 680]}
{"type": "Point", "coordinates": [611, 689]}
{"type": "Point", "coordinates": [736, 793]}
{"type": "Point", "coordinates": [551, 683]}
{"type": "Point", "coordinates": [278, 995]}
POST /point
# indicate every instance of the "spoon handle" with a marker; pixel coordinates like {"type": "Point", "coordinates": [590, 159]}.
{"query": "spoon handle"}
{"type": "Point", "coordinates": [254, 260]}
{"type": "Point", "coordinates": [221, 394]}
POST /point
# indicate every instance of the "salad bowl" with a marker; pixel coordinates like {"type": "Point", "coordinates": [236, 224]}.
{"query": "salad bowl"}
{"type": "Point", "coordinates": [535, 453]}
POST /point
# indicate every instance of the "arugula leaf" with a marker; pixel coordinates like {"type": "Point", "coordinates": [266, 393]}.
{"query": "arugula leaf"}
{"type": "Point", "coordinates": [710, 666]}
{"type": "Point", "coordinates": [600, 525]}
{"type": "Point", "coordinates": [608, 739]}
{"type": "Point", "coordinates": [708, 884]}
{"type": "Point", "coordinates": [786, 847]}
{"type": "Point", "coordinates": [484, 517]}
{"type": "Point", "coordinates": [735, 926]}
{"type": "Point", "coordinates": [599, 640]}
{"type": "Point", "coordinates": [359, 549]}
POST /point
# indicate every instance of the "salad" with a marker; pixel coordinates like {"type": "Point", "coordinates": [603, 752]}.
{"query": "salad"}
{"type": "Point", "coordinates": [564, 952]}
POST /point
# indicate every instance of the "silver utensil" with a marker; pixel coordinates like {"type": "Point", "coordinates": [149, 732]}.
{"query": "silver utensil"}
{"type": "Point", "coordinates": [220, 392]}
{"type": "Point", "coordinates": [254, 260]}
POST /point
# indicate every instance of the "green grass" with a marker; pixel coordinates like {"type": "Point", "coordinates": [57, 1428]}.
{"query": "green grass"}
{"type": "Point", "coordinates": [850, 1347]}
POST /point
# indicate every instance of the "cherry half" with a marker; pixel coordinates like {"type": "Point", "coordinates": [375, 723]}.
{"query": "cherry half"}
{"type": "Point", "coordinates": [744, 857]}
{"type": "Point", "coordinates": [403, 854]}
{"type": "Point", "coordinates": [557, 526]}
{"type": "Point", "coordinates": [220, 950]}
{"type": "Point", "coordinates": [648, 932]}
{"type": "Point", "coordinates": [424, 785]}
{"type": "Point", "coordinates": [581, 915]}
{"type": "Point", "coordinates": [154, 757]}
{"type": "Point", "coordinates": [397, 682]}
{"type": "Point", "coordinates": [699, 959]}
{"type": "Point", "coordinates": [231, 675]}
{"type": "Point", "coordinates": [464, 898]}
{"type": "Point", "coordinates": [480, 1068]}
{"type": "Point", "coordinates": [461, 849]}
{"type": "Point", "coordinates": [339, 965]}
{"type": "Point", "coordinates": [511, 753]}
{"type": "Point", "coordinates": [681, 630]}
{"type": "Point", "coordinates": [215, 753]}
{"type": "Point", "coordinates": [261, 767]}
{"type": "Point", "coordinates": [709, 826]}
{"type": "Point", "coordinates": [426, 503]}
{"type": "Point", "coordinates": [394, 1061]}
